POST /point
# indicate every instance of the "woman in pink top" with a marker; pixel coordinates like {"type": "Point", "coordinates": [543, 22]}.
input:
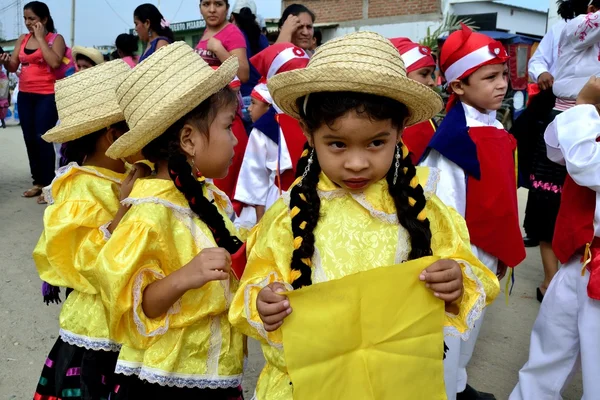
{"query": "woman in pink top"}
{"type": "Point", "coordinates": [222, 39]}
{"type": "Point", "coordinates": [127, 46]}
{"type": "Point", "coordinates": [37, 109]}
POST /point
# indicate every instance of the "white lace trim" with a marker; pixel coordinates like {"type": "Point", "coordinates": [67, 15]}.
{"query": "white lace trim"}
{"type": "Point", "coordinates": [155, 200]}
{"type": "Point", "coordinates": [318, 272]}
{"type": "Point", "coordinates": [87, 342]}
{"type": "Point", "coordinates": [47, 191]}
{"type": "Point", "coordinates": [137, 298]}
{"type": "Point", "coordinates": [403, 248]}
{"type": "Point", "coordinates": [475, 313]}
{"type": "Point", "coordinates": [164, 378]}
{"type": "Point", "coordinates": [247, 299]}
{"type": "Point", "coordinates": [105, 232]}
{"type": "Point", "coordinates": [361, 199]}
{"type": "Point", "coordinates": [433, 179]}
{"type": "Point", "coordinates": [214, 346]}
{"type": "Point", "coordinates": [212, 191]}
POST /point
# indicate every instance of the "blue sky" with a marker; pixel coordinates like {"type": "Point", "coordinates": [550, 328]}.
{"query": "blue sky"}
{"type": "Point", "coordinates": [99, 22]}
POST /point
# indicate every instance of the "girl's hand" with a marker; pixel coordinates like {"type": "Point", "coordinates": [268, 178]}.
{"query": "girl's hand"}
{"type": "Point", "coordinates": [137, 171]}
{"type": "Point", "coordinates": [273, 307]}
{"type": "Point", "coordinates": [444, 278]}
{"type": "Point", "coordinates": [214, 45]}
{"type": "Point", "coordinates": [210, 265]}
{"type": "Point", "coordinates": [39, 31]}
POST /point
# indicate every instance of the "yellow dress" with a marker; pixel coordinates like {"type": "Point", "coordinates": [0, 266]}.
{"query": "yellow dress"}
{"type": "Point", "coordinates": [192, 345]}
{"type": "Point", "coordinates": [82, 203]}
{"type": "Point", "coordinates": [356, 232]}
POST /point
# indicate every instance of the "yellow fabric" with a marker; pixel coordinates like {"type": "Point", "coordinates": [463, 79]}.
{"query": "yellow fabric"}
{"type": "Point", "coordinates": [82, 200]}
{"type": "Point", "coordinates": [388, 341]}
{"type": "Point", "coordinates": [158, 235]}
{"type": "Point", "coordinates": [355, 233]}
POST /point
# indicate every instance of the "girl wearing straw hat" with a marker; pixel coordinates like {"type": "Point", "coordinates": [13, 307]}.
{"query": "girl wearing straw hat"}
{"type": "Point", "coordinates": [84, 208]}
{"type": "Point", "coordinates": [356, 194]}
{"type": "Point", "coordinates": [166, 269]}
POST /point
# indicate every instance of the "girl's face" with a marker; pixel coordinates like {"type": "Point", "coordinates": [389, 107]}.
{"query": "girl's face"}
{"type": "Point", "coordinates": [303, 37]}
{"type": "Point", "coordinates": [257, 109]}
{"type": "Point", "coordinates": [355, 151]}
{"type": "Point", "coordinates": [212, 153]}
{"type": "Point", "coordinates": [31, 19]}
{"type": "Point", "coordinates": [214, 12]}
{"type": "Point", "coordinates": [142, 29]}
{"type": "Point", "coordinates": [424, 76]}
{"type": "Point", "coordinates": [83, 63]}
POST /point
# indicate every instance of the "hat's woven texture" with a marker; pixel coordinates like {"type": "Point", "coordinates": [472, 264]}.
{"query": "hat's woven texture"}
{"type": "Point", "coordinates": [363, 62]}
{"type": "Point", "coordinates": [87, 102]}
{"type": "Point", "coordinates": [163, 89]}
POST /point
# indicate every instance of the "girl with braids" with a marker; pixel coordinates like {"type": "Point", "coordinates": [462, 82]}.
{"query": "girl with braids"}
{"type": "Point", "coordinates": [358, 202]}
{"type": "Point", "coordinates": [83, 210]}
{"type": "Point", "coordinates": [165, 272]}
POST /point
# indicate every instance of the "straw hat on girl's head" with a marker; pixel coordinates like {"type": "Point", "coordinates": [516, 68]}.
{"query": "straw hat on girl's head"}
{"type": "Point", "coordinates": [163, 89]}
{"type": "Point", "coordinates": [363, 62]}
{"type": "Point", "coordinates": [87, 102]}
{"type": "Point", "coordinates": [93, 54]}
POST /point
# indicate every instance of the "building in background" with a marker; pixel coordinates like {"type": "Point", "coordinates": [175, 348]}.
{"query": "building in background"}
{"type": "Point", "coordinates": [412, 18]}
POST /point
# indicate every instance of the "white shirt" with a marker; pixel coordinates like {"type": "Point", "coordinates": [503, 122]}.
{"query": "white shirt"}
{"type": "Point", "coordinates": [452, 186]}
{"type": "Point", "coordinates": [544, 58]}
{"type": "Point", "coordinates": [578, 53]}
{"type": "Point", "coordinates": [571, 141]}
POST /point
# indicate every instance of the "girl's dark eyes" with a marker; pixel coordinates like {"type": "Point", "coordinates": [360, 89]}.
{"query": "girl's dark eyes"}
{"type": "Point", "coordinates": [337, 145]}
{"type": "Point", "coordinates": [377, 143]}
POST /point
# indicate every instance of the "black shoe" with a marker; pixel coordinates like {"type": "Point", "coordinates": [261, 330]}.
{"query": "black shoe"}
{"type": "Point", "coordinates": [540, 295]}
{"type": "Point", "coordinates": [529, 242]}
{"type": "Point", "coordinates": [472, 394]}
{"type": "Point", "coordinates": [3, 124]}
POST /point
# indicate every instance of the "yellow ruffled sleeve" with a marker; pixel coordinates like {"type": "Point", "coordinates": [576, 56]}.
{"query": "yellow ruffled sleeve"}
{"type": "Point", "coordinates": [450, 240]}
{"type": "Point", "coordinates": [74, 233]}
{"type": "Point", "coordinates": [269, 250]}
{"type": "Point", "coordinates": [132, 259]}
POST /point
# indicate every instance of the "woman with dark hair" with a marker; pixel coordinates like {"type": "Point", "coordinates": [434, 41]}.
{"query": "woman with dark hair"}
{"type": "Point", "coordinates": [222, 39]}
{"type": "Point", "coordinates": [296, 26]}
{"type": "Point", "coordinates": [127, 46]}
{"type": "Point", "coordinates": [39, 53]}
{"type": "Point", "coordinates": [243, 15]}
{"type": "Point", "coordinates": [152, 28]}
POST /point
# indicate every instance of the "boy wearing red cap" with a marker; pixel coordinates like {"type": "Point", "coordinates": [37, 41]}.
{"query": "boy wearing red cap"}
{"type": "Point", "coordinates": [276, 141]}
{"type": "Point", "coordinates": [475, 156]}
{"type": "Point", "coordinates": [420, 67]}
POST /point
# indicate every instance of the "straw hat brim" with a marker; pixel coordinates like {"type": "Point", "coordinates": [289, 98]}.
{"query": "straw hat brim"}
{"type": "Point", "coordinates": [286, 88]}
{"type": "Point", "coordinates": [176, 102]}
{"type": "Point", "coordinates": [62, 134]}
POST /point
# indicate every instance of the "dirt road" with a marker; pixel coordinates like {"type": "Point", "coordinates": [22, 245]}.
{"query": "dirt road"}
{"type": "Point", "coordinates": [28, 327]}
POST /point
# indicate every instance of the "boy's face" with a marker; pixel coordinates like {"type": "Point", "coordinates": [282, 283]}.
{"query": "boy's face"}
{"type": "Point", "coordinates": [485, 88]}
{"type": "Point", "coordinates": [424, 76]}
{"type": "Point", "coordinates": [257, 109]}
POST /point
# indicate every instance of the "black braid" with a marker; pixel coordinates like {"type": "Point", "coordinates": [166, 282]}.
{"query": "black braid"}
{"type": "Point", "coordinates": [309, 212]}
{"type": "Point", "coordinates": [419, 231]}
{"type": "Point", "coordinates": [326, 108]}
{"type": "Point", "coordinates": [167, 148]}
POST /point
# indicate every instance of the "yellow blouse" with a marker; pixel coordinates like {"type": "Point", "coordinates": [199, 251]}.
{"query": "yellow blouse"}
{"type": "Point", "coordinates": [356, 232]}
{"type": "Point", "coordinates": [82, 202]}
{"type": "Point", "coordinates": [193, 345]}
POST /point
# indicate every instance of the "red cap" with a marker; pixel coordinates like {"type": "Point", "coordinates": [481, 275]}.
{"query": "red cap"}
{"type": "Point", "coordinates": [279, 57]}
{"type": "Point", "coordinates": [465, 51]}
{"type": "Point", "coordinates": [261, 93]}
{"type": "Point", "coordinates": [414, 55]}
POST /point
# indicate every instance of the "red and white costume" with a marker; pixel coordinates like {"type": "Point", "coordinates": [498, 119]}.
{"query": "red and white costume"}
{"type": "Point", "coordinates": [567, 328]}
{"type": "Point", "coordinates": [276, 141]}
{"type": "Point", "coordinates": [416, 137]}
{"type": "Point", "coordinates": [475, 156]}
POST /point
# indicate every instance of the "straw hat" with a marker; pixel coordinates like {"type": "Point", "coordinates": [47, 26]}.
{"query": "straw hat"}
{"type": "Point", "coordinates": [163, 89]}
{"type": "Point", "coordinates": [90, 52]}
{"type": "Point", "coordinates": [363, 62]}
{"type": "Point", "coordinates": [87, 102]}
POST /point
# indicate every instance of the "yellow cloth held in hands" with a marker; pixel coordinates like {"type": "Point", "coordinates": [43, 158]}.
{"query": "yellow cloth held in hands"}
{"type": "Point", "coordinates": [374, 335]}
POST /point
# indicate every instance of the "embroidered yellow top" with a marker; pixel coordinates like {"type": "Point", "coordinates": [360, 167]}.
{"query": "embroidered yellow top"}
{"type": "Point", "coordinates": [193, 345]}
{"type": "Point", "coordinates": [356, 232]}
{"type": "Point", "coordinates": [82, 202]}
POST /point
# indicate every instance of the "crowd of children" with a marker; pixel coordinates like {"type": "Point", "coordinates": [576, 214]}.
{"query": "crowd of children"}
{"type": "Point", "coordinates": [166, 279]}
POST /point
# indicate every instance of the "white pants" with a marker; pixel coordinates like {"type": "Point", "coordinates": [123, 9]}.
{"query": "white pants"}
{"type": "Point", "coordinates": [460, 352]}
{"type": "Point", "coordinates": [565, 336]}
